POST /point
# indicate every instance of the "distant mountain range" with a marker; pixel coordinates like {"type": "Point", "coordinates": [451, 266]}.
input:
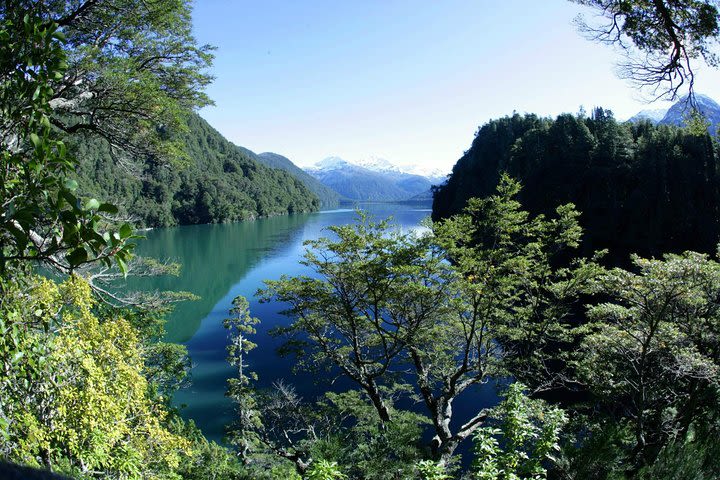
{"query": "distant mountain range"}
{"type": "Point", "coordinates": [381, 165]}
{"type": "Point", "coordinates": [374, 179]}
{"type": "Point", "coordinates": [677, 113]}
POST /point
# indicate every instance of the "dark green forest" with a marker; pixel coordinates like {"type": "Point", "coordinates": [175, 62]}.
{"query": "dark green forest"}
{"type": "Point", "coordinates": [641, 188]}
{"type": "Point", "coordinates": [214, 181]}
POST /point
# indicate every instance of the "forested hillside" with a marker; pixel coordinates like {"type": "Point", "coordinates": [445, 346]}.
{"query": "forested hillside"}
{"type": "Point", "coordinates": [216, 182]}
{"type": "Point", "coordinates": [641, 188]}
{"type": "Point", "coordinates": [327, 196]}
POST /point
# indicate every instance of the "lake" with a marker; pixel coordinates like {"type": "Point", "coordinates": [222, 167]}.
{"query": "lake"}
{"type": "Point", "coordinates": [220, 262]}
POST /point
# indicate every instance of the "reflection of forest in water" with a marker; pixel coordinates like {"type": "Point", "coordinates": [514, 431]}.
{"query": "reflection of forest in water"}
{"type": "Point", "coordinates": [212, 258]}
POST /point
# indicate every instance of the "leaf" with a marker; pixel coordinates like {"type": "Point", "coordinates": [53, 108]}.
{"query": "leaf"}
{"type": "Point", "coordinates": [92, 204]}
{"type": "Point", "coordinates": [71, 185]}
{"type": "Point", "coordinates": [21, 238]}
{"type": "Point", "coordinates": [126, 231]}
{"type": "Point", "coordinates": [108, 208]}
{"type": "Point", "coordinates": [69, 198]}
{"type": "Point", "coordinates": [122, 265]}
{"type": "Point", "coordinates": [35, 139]}
{"type": "Point", "coordinates": [77, 256]}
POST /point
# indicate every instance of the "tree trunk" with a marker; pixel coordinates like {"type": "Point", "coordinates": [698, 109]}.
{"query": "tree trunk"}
{"type": "Point", "coordinates": [376, 398]}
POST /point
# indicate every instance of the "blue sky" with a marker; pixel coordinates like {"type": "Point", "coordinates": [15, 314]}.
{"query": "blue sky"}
{"type": "Point", "coordinates": [409, 81]}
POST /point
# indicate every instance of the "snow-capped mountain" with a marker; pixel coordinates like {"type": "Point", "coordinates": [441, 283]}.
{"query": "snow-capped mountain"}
{"type": "Point", "coordinates": [377, 164]}
{"type": "Point", "coordinates": [678, 112]}
{"type": "Point", "coordinates": [654, 115]}
{"type": "Point", "coordinates": [435, 175]}
{"type": "Point", "coordinates": [708, 107]}
{"type": "Point", "coordinates": [374, 179]}
{"type": "Point", "coordinates": [329, 163]}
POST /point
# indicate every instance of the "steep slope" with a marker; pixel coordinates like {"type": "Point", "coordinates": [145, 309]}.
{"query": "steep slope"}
{"type": "Point", "coordinates": [219, 182]}
{"type": "Point", "coordinates": [677, 114]}
{"type": "Point", "coordinates": [359, 183]}
{"type": "Point", "coordinates": [328, 197]}
{"type": "Point", "coordinates": [709, 108]}
{"type": "Point", "coordinates": [424, 197]}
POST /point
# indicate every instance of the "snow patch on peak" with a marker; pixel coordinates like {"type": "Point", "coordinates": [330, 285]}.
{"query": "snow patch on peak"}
{"type": "Point", "coordinates": [378, 164]}
{"type": "Point", "coordinates": [654, 115]}
{"type": "Point", "coordinates": [382, 165]}
{"type": "Point", "coordinates": [433, 173]}
{"type": "Point", "coordinates": [330, 163]}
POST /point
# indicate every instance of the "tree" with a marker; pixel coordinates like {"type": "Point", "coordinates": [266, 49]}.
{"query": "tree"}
{"type": "Point", "coordinates": [479, 298]}
{"type": "Point", "coordinates": [278, 421]}
{"type": "Point", "coordinates": [244, 431]}
{"type": "Point", "coordinates": [123, 70]}
{"type": "Point", "coordinates": [42, 218]}
{"type": "Point", "coordinates": [324, 470]}
{"type": "Point", "coordinates": [73, 395]}
{"type": "Point", "coordinates": [133, 69]}
{"type": "Point", "coordinates": [641, 188]}
{"type": "Point", "coordinates": [81, 391]}
{"type": "Point", "coordinates": [662, 39]}
{"type": "Point", "coordinates": [650, 353]}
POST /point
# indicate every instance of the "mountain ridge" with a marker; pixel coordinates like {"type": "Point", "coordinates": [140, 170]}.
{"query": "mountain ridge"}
{"type": "Point", "coordinates": [375, 179]}
{"type": "Point", "coordinates": [678, 112]}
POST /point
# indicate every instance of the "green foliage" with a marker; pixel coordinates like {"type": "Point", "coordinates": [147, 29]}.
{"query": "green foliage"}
{"type": "Point", "coordinates": [642, 188]}
{"type": "Point", "coordinates": [327, 196]}
{"type": "Point", "coordinates": [217, 182]}
{"type": "Point", "coordinates": [207, 460]}
{"type": "Point", "coordinates": [368, 447]}
{"type": "Point", "coordinates": [485, 295]}
{"type": "Point", "coordinates": [86, 393]}
{"type": "Point", "coordinates": [689, 460]}
{"type": "Point", "coordinates": [132, 69]}
{"type": "Point", "coordinates": [167, 366]}
{"type": "Point", "coordinates": [430, 470]}
{"type": "Point", "coordinates": [270, 426]}
{"type": "Point", "coordinates": [517, 272]}
{"type": "Point", "coordinates": [244, 431]}
{"type": "Point", "coordinates": [84, 388]}
{"type": "Point", "coordinates": [324, 470]}
{"type": "Point", "coordinates": [697, 124]}
{"type": "Point", "coordinates": [597, 452]}
{"type": "Point", "coordinates": [653, 346]}
{"type": "Point", "coordinates": [529, 430]}
{"type": "Point", "coordinates": [42, 216]}
{"type": "Point", "coordinates": [73, 392]}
